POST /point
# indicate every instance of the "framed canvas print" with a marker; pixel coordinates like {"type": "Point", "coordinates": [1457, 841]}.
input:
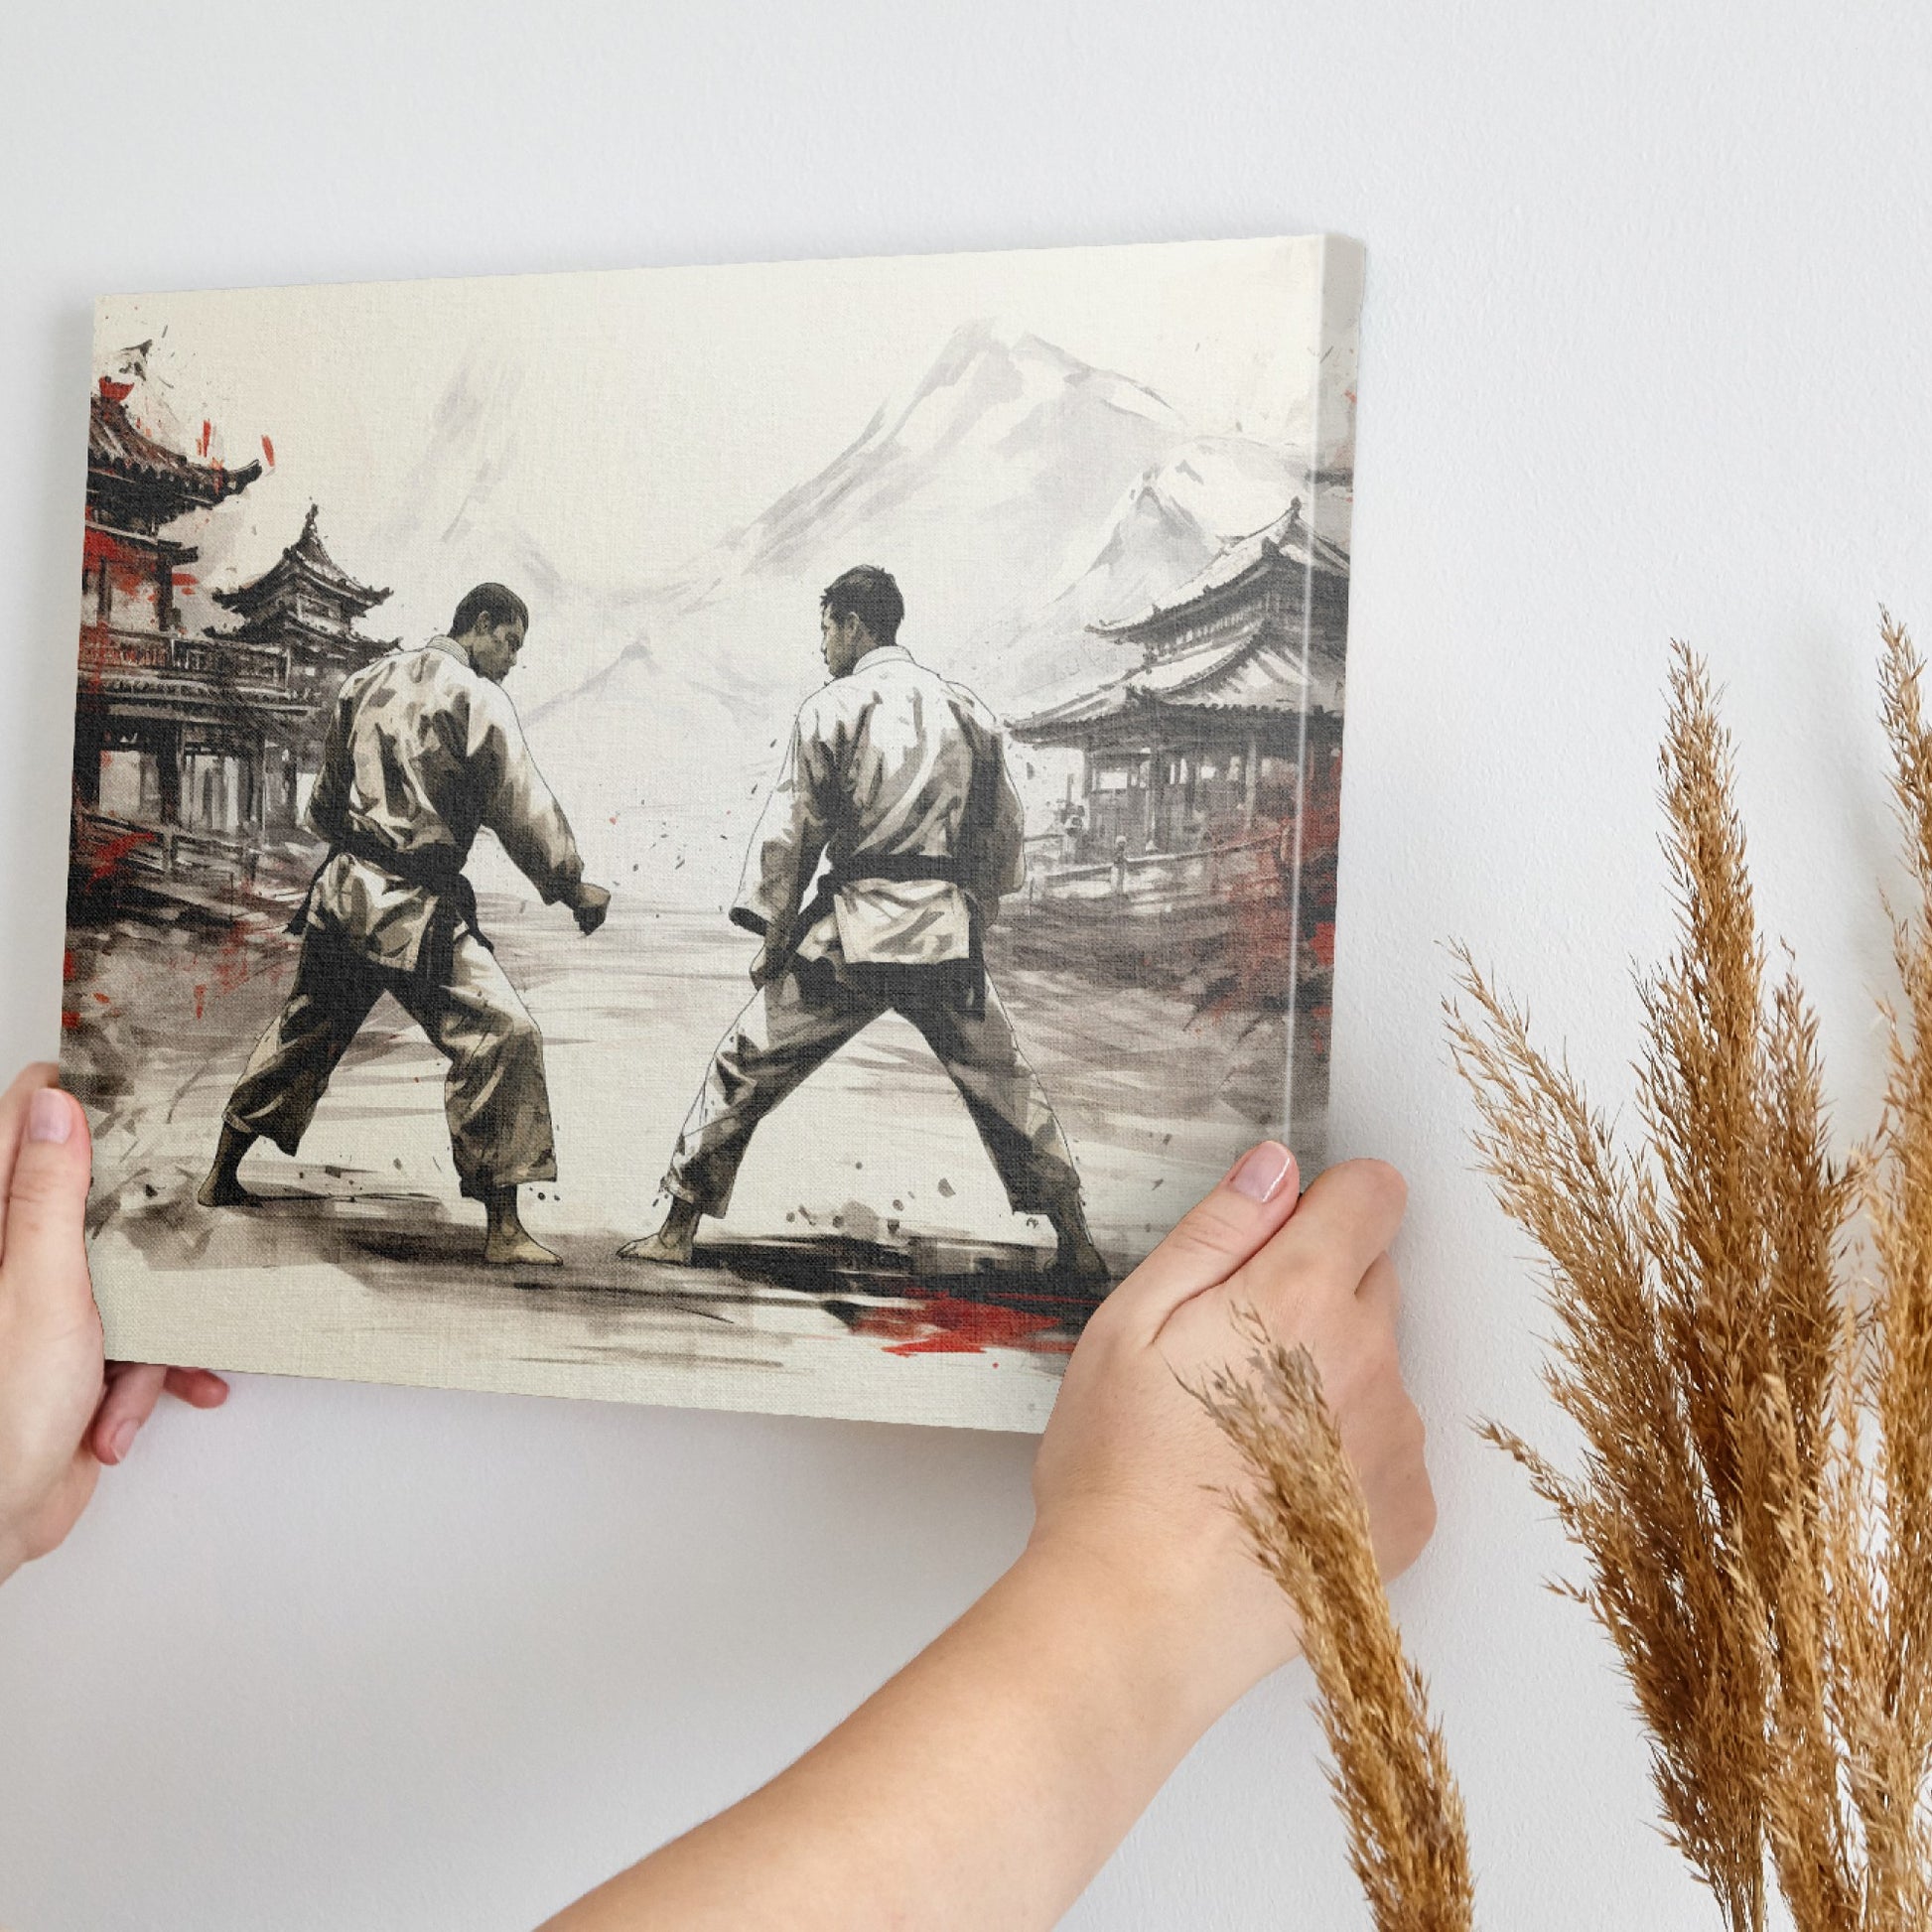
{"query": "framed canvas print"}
{"type": "Point", "coordinates": [744, 837]}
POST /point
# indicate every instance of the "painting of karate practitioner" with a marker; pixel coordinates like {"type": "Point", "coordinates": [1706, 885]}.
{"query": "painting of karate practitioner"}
{"type": "Point", "coordinates": [898, 780]}
{"type": "Point", "coordinates": [422, 752]}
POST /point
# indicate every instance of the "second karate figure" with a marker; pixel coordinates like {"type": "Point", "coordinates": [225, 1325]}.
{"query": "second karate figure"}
{"type": "Point", "coordinates": [897, 777]}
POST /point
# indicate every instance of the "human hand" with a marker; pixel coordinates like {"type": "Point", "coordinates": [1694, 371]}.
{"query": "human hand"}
{"type": "Point", "coordinates": [1130, 1475]}
{"type": "Point", "coordinates": [63, 1411]}
{"type": "Point", "coordinates": [591, 907]}
{"type": "Point", "coordinates": [1044, 1719]}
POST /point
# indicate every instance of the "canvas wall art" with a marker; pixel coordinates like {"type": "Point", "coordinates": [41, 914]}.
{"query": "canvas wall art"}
{"type": "Point", "coordinates": [742, 837]}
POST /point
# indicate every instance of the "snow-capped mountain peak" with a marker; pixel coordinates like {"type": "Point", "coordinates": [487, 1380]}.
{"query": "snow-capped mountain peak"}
{"type": "Point", "coordinates": [984, 384]}
{"type": "Point", "coordinates": [1000, 422]}
{"type": "Point", "coordinates": [1175, 516]}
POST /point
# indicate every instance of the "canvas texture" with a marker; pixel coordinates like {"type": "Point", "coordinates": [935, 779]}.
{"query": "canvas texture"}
{"type": "Point", "coordinates": [741, 837]}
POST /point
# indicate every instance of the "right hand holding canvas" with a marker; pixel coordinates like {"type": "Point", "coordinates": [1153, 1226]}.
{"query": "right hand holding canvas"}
{"type": "Point", "coordinates": [1047, 1715]}
{"type": "Point", "coordinates": [1131, 1473]}
{"type": "Point", "coordinates": [65, 1413]}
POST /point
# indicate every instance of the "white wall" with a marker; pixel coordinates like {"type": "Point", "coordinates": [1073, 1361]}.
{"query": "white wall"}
{"type": "Point", "coordinates": [1643, 354]}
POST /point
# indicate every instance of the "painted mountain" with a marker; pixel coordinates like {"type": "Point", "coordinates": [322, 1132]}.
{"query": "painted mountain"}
{"type": "Point", "coordinates": [1015, 492]}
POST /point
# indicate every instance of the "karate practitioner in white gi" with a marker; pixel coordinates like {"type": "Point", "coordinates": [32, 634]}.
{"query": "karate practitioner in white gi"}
{"type": "Point", "coordinates": [424, 749]}
{"type": "Point", "coordinates": [898, 780]}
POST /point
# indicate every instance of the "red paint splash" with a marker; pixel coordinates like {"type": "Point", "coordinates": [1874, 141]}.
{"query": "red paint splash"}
{"type": "Point", "coordinates": [131, 568]}
{"type": "Point", "coordinates": [200, 997]}
{"type": "Point", "coordinates": [268, 450]}
{"type": "Point", "coordinates": [208, 432]}
{"type": "Point", "coordinates": [949, 1325]}
{"type": "Point", "coordinates": [186, 580]}
{"type": "Point", "coordinates": [70, 1019]}
{"type": "Point", "coordinates": [113, 391]}
{"type": "Point", "coordinates": [108, 858]}
{"type": "Point", "coordinates": [232, 965]}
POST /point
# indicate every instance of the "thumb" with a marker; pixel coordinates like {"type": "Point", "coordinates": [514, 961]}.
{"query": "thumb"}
{"type": "Point", "coordinates": [44, 1259]}
{"type": "Point", "coordinates": [1213, 1238]}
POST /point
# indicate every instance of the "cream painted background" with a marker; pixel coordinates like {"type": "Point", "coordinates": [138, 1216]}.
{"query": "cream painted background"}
{"type": "Point", "coordinates": [1643, 353]}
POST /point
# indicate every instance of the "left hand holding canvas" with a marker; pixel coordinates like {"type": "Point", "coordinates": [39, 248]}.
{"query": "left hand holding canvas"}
{"type": "Point", "coordinates": [63, 1410]}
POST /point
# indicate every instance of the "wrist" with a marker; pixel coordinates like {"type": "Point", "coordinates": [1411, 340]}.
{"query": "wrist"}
{"type": "Point", "coordinates": [1150, 1626]}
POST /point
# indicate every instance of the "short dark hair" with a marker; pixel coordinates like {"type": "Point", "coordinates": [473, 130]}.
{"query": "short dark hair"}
{"type": "Point", "coordinates": [868, 594]}
{"type": "Point", "coordinates": [489, 604]}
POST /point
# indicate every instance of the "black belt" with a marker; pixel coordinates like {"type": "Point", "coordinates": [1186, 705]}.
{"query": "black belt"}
{"type": "Point", "coordinates": [436, 869]}
{"type": "Point", "coordinates": [894, 868]}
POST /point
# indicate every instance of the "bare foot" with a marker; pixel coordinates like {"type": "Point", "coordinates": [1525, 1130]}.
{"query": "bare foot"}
{"type": "Point", "coordinates": [514, 1248]}
{"type": "Point", "coordinates": [671, 1245]}
{"type": "Point", "coordinates": [665, 1246]}
{"type": "Point", "coordinates": [225, 1190]}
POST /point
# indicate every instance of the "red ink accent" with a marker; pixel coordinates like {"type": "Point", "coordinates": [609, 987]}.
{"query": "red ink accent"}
{"type": "Point", "coordinates": [201, 993]}
{"type": "Point", "coordinates": [186, 580]}
{"type": "Point", "coordinates": [111, 855]}
{"type": "Point", "coordinates": [231, 961]}
{"type": "Point", "coordinates": [69, 1022]}
{"type": "Point", "coordinates": [208, 431]}
{"type": "Point", "coordinates": [132, 569]}
{"type": "Point", "coordinates": [268, 450]}
{"type": "Point", "coordinates": [103, 998]}
{"type": "Point", "coordinates": [70, 966]}
{"type": "Point", "coordinates": [950, 1326]}
{"type": "Point", "coordinates": [115, 391]}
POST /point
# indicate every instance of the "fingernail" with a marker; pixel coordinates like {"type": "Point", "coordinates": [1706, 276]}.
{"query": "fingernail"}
{"type": "Point", "coordinates": [1262, 1173]}
{"type": "Point", "coordinates": [122, 1440]}
{"type": "Point", "coordinates": [49, 1115]}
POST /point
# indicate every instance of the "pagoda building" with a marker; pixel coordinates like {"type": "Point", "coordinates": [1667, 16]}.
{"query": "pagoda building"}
{"type": "Point", "coordinates": [304, 609]}
{"type": "Point", "coordinates": [1203, 852]}
{"type": "Point", "coordinates": [187, 743]}
{"type": "Point", "coordinates": [1237, 700]}
{"type": "Point", "coordinates": [307, 607]}
{"type": "Point", "coordinates": [128, 573]}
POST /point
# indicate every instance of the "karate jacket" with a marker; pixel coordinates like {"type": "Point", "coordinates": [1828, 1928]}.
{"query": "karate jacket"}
{"type": "Point", "coordinates": [421, 753]}
{"type": "Point", "coordinates": [884, 763]}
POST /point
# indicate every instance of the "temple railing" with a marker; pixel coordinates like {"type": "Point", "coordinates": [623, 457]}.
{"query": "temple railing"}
{"type": "Point", "coordinates": [246, 664]}
{"type": "Point", "coordinates": [106, 846]}
{"type": "Point", "coordinates": [104, 647]}
{"type": "Point", "coordinates": [1235, 870]}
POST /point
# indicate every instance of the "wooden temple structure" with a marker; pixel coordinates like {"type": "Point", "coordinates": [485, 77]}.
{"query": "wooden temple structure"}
{"type": "Point", "coordinates": [1201, 846]}
{"type": "Point", "coordinates": [1239, 682]}
{"type": "Point", "coordinates": [192, 746]}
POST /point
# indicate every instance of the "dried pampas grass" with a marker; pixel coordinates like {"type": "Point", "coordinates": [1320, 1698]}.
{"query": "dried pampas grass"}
{"type": "Point", "coordinates": [1753, 1498]}
{"type": "Point", "coordinates": [1308, 1525]}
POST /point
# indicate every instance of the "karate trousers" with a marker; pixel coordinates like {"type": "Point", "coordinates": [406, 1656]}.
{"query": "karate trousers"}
{"type": "Point", "coordinates": [787, 1030]}
{"type": "Point", "coordinates": [495, 1094]}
